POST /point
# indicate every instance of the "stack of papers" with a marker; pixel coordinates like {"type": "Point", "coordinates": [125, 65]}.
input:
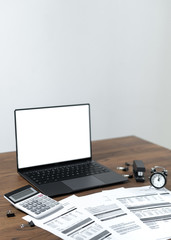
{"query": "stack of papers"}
{"type": "Point", "coordinates": [123, 213]}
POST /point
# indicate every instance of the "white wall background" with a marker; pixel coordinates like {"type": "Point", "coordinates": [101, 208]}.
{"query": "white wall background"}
{"type": "Point", "coordinates": [114, 54]}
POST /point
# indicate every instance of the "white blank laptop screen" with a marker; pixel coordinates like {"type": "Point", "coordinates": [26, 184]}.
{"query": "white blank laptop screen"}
{"type": "Point", "coordinates": [51, 135]}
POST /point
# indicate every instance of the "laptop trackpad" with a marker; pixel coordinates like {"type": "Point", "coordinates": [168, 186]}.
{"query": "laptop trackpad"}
{"type": "Point", "coordinates": [83, 182]}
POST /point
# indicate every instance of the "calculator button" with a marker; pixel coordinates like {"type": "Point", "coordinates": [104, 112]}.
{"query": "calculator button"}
{"type": "Point", "coordinates": [29, 207]}
{"type": "Point", "coordinates": [25, 205]}
{"type": "Point", "coordinates": [37, 212]}
{"type": "Point", "coordinates": [38, 205]}
{"type": "Point", "coordinates": [43, 209]}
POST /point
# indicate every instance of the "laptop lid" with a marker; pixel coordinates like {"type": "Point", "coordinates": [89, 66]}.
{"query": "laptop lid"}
{"type": "Point", "coordinates": [51, 135]}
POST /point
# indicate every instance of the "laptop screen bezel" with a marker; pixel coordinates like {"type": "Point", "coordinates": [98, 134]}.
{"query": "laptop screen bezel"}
{"type": "Point", "coordinates": [52, 164]}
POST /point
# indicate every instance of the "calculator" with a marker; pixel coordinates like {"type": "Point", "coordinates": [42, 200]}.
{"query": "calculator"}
{"type": "Point", "coordinates": [33, 202]}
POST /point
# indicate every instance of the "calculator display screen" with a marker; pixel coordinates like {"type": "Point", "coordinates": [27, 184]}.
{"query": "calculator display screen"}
{"type": "Point", "coordinates": [16, 197]}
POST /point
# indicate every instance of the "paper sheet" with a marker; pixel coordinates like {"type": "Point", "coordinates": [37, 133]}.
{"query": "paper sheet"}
{"type": "Point", "coordinates": [122, 213]}
{"type": "Point", "coordinates": [73, 223]}
{"type": "Point", "coordinates": [151, 206]}
{"type": "Point", "coordinates": [113, 214]}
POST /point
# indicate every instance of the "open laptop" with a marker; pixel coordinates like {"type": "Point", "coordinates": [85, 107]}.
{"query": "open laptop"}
{"type": "Point", "coordinates": [53, 150]}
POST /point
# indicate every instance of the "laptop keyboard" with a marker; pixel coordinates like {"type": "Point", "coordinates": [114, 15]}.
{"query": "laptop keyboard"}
{"type": "Point", "coordinates": [65, 172]}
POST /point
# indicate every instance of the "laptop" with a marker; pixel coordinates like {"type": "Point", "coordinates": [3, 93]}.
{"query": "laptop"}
{"type": "Point", "coordinates": [53, 150]}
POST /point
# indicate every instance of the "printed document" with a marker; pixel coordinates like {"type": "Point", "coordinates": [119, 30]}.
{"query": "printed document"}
{"type": "Point", "coordinates": [73, 223]}
{"type": "Point", "coordinates": [119, 214]}
{"type": "Point", "coordinates": [151, 206]}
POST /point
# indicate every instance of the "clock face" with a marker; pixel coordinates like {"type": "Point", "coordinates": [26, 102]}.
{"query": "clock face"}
{"type": "Point", "coordinates": [158, 180]}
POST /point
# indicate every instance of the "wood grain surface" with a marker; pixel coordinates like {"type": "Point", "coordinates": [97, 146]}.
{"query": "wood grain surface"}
{"type": "Point", "coordinates": [110, 152]}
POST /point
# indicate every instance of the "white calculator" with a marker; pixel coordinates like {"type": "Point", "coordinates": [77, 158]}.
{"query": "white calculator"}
{"type": "Point", "coordinates": [33, 202]}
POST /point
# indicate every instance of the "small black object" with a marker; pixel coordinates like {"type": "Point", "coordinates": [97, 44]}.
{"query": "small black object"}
{"type": "Point", "coordinates": [127, 164]}
{"type": "Point", "coordinates": [10, 214]}
{"type": "Point", "coordinates": [125, 169]}
{"type": "Point", "coordinates": [128, 175]}
{"type": "Point", "coordinates": [138, 170]}
{"type": "Point", "coordinates": [30, 224]}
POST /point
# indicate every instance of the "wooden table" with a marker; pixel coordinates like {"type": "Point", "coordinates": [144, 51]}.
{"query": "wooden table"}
{"type": "Point", "coordinates": [111, 152]}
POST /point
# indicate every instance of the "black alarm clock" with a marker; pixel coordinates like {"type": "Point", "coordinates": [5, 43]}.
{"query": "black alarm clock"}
{"type": "Point", "coordinates": [158, 178]}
